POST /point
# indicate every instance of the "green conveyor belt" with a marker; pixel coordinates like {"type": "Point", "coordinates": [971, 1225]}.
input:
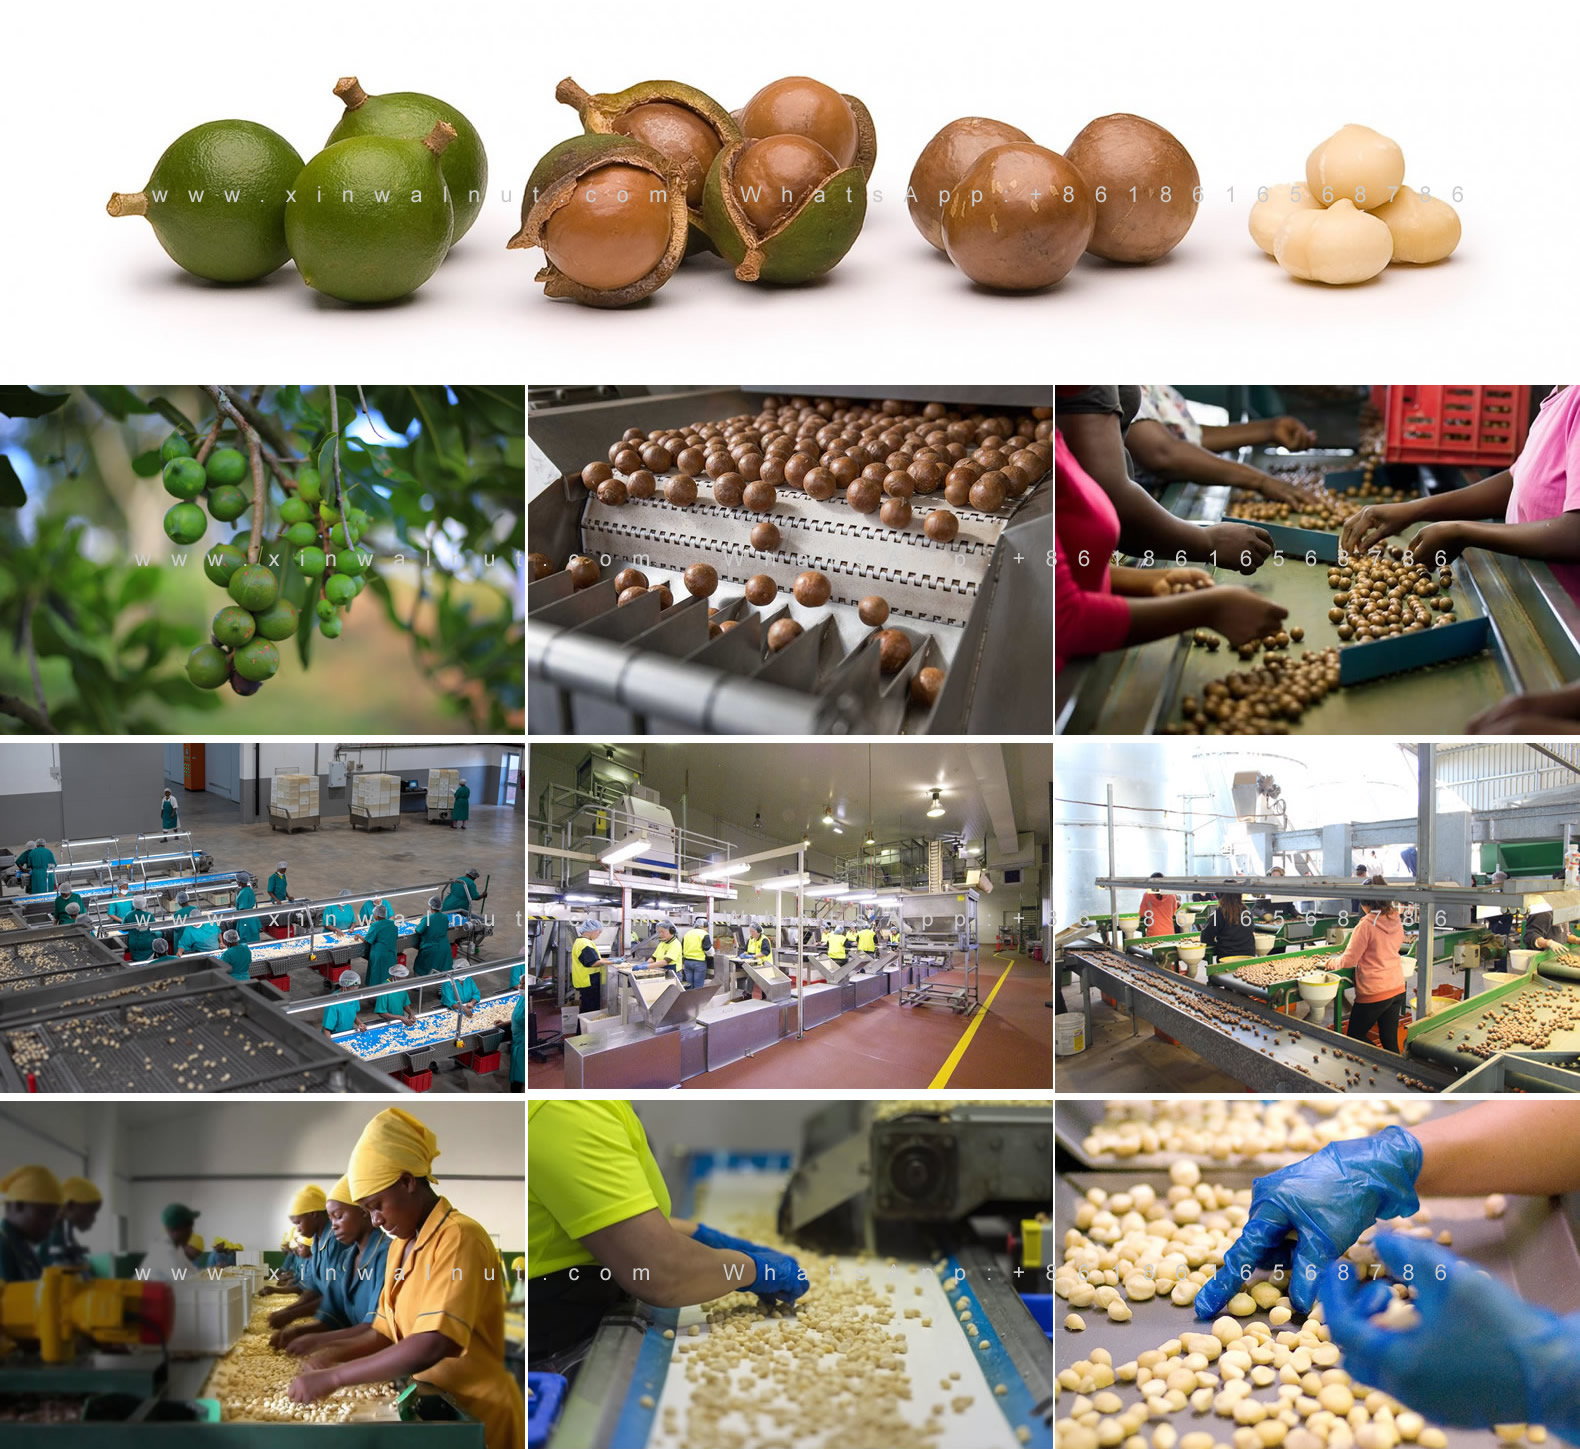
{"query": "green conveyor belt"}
{"type": "Point", "coordinates": [1437, 699]}
{"type": "Point", "coordinates": [1444, 1036]}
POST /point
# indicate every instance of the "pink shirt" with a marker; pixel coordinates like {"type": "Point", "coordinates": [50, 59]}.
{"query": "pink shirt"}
{"type": "Point", "coordinates": [1374, 953]}
{"type": "Point", "coordinates": [1547, 472]}
{"type": "Point", "coordinates": [1088, 619]}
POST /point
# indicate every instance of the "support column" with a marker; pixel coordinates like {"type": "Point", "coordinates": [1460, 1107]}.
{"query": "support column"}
{"type": "Point", "coordinates": [1425, 867]}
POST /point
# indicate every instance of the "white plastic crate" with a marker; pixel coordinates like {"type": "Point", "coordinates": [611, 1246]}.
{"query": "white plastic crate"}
{"type": "Point", "coordinates": [210, 1315]}
{"type": "Point", "coordinates": [295, 796]}
{"type": "Point", "coordinates": [377, 794]}
{"type": "Point", "coordinates": [441, 788]}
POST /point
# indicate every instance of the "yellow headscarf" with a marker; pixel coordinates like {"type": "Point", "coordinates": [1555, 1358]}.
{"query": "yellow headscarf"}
{"type": "Point", "coordinates": [195, 1242]}
{"type": "Point", "coordinates": [392, 1143]}
{"type": "Point", "coordinates": [79, 1189]}
{"type": "Point", "coordinates": [309, 1200]}
{"type": "Point", "coordinates": [31, 1184]}
{"type": "Point", "coordinates": [341, 1192]}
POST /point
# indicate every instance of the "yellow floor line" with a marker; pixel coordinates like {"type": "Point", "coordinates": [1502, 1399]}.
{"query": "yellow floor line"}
{"type": "Point", "coordinates": [953, 1060]}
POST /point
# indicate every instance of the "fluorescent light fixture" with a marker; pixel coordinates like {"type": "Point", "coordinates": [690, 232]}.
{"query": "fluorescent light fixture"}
{"type": "Point", "coordinates": [584, 900]}
{"type": "Point", "coordinates": [839, 830]}
{"type": "Point", "coordinates": [887, 901]}
{"type": "Point", "coordinates": [723, 869]}
{"type": "Point", "coordinates": [625, 851]}
{"type": "Point", "coordinates": [781, 882]}
{"type": "Point", "coordinates": [936, 809]}
{"type": "Point", "coordinates": [863, 896]}
{"type": "Point", "coordinates": [833, 891]}
{"type": "Point", "coordinates": [972, 850]}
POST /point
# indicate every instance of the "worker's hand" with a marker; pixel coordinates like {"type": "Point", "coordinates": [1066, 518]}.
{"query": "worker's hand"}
{"type": "Point", "coordinates": [1281, 492]}
{"type": "Point", "coordinates": [280, 1318]}
{"type": "Point", "coordinates": [1327, 1201]}
{"type": "Point", "coordinates": [1240, 615]}
{"type": "Point", "coordinates": [1372, 524]}
{"type": "Point", "coordinates": [1438, 545]}
{"type": "Point", "coordinates": [778, 1274]}
{"type": "Point", "coordinates": [1291, 433]}
{"type": "Point", "coordinates": [1543, 944]}
{"type": "Point", "coordinates": [1524, 1366]}
{"type": "Point", "coordinates": [1170, 580]}
{"type": "Point", "coordinates": [311, 1385]}
{"type": "Point", "coordinates": [1239, 546]}
{"type": "Point", "coordinates": [1558, 710]}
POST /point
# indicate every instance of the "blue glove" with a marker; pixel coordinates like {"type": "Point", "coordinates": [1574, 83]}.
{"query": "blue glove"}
{"type": "Point", "coordinates": [779, 1276]}
{"type": "Point", "coordinates": [1523, 1363]}
{"type": "Point", "coordinates": [1327, 1200]}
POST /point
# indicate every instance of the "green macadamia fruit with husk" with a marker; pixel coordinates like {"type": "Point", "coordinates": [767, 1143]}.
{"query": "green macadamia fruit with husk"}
{"type": "Point", "coordinates": [782, 209]}
{"type": "Point", "coordinates": [610, 214]}
{"type": "Point", "coordinates": [1356, 164]}
{"type": "Point", "coordinates": [216, 200]}
{"type": "Point", "coordinates": [370, 218]}
{"type": "Point", "coordinates": [1274, 207]}
{"type": "Point", "coordinates": [208, 666]}
{"type": "Point", "coordinates": [257, 660]}
{"type": "Point", "coordinates": [411, 116]}
{"type": "Point", "coordinates": [184, 478]}
{"type": "Point", "coordinates": [1425, 228]}
{"type": "Point", "coordinates": [681, 123]}
{"type": "Point", "coordinates": [186, 523]}
{"type": "Point", "coordinates": [226, 465]}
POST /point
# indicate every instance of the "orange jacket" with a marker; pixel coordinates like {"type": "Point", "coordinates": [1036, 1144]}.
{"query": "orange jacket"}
{"type": "Point", "coordinates": [1374, 953]}
{"type": "Point", "coordinates": [1163, 909]}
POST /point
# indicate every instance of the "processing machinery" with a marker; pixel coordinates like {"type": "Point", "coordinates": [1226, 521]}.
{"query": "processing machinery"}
{"type": "Point", "coordinates": [978, 606]}
{"type": "Point", "coordinates": [955, 1196]}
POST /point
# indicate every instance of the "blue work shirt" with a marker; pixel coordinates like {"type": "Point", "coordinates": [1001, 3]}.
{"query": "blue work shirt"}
{"type": "Point", "coordinates": [239, 959]}
{"type": "Point", "coordinates": [368, 907]}
{"type": "Point", "coordinates": [453, 993]}
{"type": "Point", "coordinates": [351, 1292]}
{"type": "Point", "coordinates": [246, 900]}
{"type": "Point", "coordinates": [342, 1016]}
{"type": "Point", "coordinates": [204, 936]}
{"type": "Point", "coordinates": [518, 1042]}
{"type": "Point", "coordinates": [339, 916]}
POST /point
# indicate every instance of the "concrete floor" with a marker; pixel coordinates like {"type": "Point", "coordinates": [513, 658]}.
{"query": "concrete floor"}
{"type": "Point", "coordinates": [336, 857]}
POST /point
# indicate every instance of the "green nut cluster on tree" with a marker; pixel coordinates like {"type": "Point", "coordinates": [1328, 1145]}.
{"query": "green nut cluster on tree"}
{"type": "Point", "coordinates": [369, 219]}
{"type": "Point", "coordinates": [663, 171]}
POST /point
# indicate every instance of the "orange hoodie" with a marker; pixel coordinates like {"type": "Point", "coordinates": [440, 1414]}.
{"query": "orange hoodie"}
{"type": "Point", "coordinates": [1374, 953]}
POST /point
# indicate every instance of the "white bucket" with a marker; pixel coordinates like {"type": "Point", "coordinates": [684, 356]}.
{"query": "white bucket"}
{"type": "Point", "coordinates": [1520, 961]}
{"type": "Point", "coordinates": [1069, 1033]}
{"type": "Point", "coordinates": [1265, 941]}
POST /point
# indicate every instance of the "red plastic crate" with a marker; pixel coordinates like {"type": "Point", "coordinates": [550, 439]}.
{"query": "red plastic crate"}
{"type": "Point", "coordinates": [280, 983]}
{"type": "Point", "coordinates": [481, 1062]}
{"type": "Point", "coordinates": [417, 1081]}
{"type": "Point", "coordinates": [1475, 426]}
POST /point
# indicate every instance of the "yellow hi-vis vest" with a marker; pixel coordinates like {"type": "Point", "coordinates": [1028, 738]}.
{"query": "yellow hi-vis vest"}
{"type": "Point", "coordinates": [760, 948]}
{"type": "Point", "coordinates": [867, 941]}
{"type": "Point", "coordinates": [691, 946]}
{"type": "Point", "coordinates": [667, 953]}
{"type": "Point", "coordinates": [894, 937]}
{"type": "Point", "coordinates": [582, 975]}
{"type": "Point", "coordinates": [836, 945]}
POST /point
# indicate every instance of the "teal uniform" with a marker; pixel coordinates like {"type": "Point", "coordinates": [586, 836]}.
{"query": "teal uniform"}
{"type": "Point", "coordinates": [368, 907]}
{"type": "Point", "coordinates": [121, 908]}
{"type": "Point", "coordinates": [204, 936]}
{"type": "Point", "coordinates": [342, 1016]}
{"type": "Point", "coordinates": [394, 1003]}
{"type": "Point", "coordinates": [278, 889]}
{"type": "Point", "coordinates": [40, 861]}
{"type": "Point", "coordinates": [517, 976]}
{"type": "Point", "coordinates": [249, 931]}
{"type": "Point", "coordinates": [61, 902]}
{"type": "Point", "coordinates": [140, 940]}
{"type": "Point", "coordinates": [383, 942]}
{"type": "Point", "coordinates": [453, 993]}
{"type": "Point", "coordinates": [180, 913]}
{"type": "Point", "coordinates": [19, 1260]}
{"type": "Point", "coordinates": [460, 896]}
{"type": "Point", "coordinates": [518, 1040]}
{"type": "Point", "coordinates": [339, 916]}
{"type": "Point", "coordinates": [239, 959]}
{"type": "Point", "coordinates": [351, 1288]}
{"type": "Point", "coordinates": [433, 944]}
{"type": "Point", "coordinates": [167, 814]}
{"type": "Point", "coordinates": [461, 809]}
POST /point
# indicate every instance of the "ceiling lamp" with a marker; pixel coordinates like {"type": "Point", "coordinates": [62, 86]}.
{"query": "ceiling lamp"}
{"type": "Point", "coordinates": [828, 813]}
{"type": "Point", "coordinates": [624, 851]}
{"type": "Point", "coordinates": [936, 809]}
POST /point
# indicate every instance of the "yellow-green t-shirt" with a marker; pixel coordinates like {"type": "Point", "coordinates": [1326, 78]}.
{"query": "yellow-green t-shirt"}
{"type": "Point", "coordinates": [588, 1167]}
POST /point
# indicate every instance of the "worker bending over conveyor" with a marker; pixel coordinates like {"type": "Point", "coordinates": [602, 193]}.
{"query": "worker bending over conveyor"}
{"type": "Point", "coordinates": [79, 1210]}
{"type": "Point", "coordinates": [353, 1276]}
{"type": "Point", "coordinates": [32, 1203]}
{"type": "Point", "coordinates": [1525, 1366]}
{"type": "Point", "coordinates": [310, 1217]}
{"type": "Point", "coordinates": [595, 1196]}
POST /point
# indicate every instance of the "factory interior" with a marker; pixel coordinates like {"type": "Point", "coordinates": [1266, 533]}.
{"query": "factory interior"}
{"type": "Point", "coordinates": [124, 866]}
{"type": "Point", "coordinates": [174, 1263]}
{"type": "Point", "coordinates": [1312, 499]}
{"type": "Point", "coordinates": [918, 1238]}
{"type": "Point", "coordinates": [729, 560]}
{"type": "Point", "coordinates": [733, 915]}
{"type": "Point", "coordinates": [1161, 1270]}
{"type": "Point", "coordinates": [1357, 916]}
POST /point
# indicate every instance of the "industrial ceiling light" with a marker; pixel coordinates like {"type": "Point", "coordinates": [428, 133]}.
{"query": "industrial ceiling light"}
{"type": "Point", "coordinates": [624, 851]}
{"type": "Point", "coordinates": [723, 869]}
{"type": "Point", "coordinates": [828, 813]}
{"type": "Point", "coordinates": [839, 830]}
{"type": "Point", "coordinates": [584, 900]}
{"type": "Point", "coordinates": [781, 882]}
{"type": "Point", "coordinates": [936, 809]}
{"type": "Point", "coordinates": [871, 840]}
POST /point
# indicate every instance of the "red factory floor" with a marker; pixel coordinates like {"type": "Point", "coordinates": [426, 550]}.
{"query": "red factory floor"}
{"type": "Point", "coordinates": [1005, 1043]}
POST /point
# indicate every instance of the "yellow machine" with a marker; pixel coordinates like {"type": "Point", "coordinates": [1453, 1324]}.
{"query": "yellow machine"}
{"type": "Point", "coordinates": [65, 1305]}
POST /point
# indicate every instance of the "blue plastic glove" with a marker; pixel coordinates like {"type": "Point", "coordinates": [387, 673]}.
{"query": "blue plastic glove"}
{"type": "Point", "coordinates": [1327, 1200]}
{"type": "Point", "coordinates": [779, 1276]}
{"type": "Point", "coordinates": [1479, 1354]}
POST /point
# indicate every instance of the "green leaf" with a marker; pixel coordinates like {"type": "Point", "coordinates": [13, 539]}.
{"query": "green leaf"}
{"type": "Point", "coordinates": [12, 493]}
{"type": "Point", "coordinates": [25, 402]}
{"type": "Point", "coordinates": [118, 402]}
{"type": "Point", "coordinates": [141, 583]}
{"type": "Point", "coordinates": [169, 411]}
{"type": "Point", "coordinates": [148, 465]}
{"type": "Point", "coordinates": [306, 627]}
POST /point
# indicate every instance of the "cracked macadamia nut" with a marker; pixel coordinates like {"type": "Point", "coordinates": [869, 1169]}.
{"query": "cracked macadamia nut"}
{"type": "Point", "coordinates": [1340, 245]}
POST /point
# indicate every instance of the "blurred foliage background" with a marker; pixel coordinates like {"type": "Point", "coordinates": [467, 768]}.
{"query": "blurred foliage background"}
{"type": "Point", "coordinates": [99, 609]}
